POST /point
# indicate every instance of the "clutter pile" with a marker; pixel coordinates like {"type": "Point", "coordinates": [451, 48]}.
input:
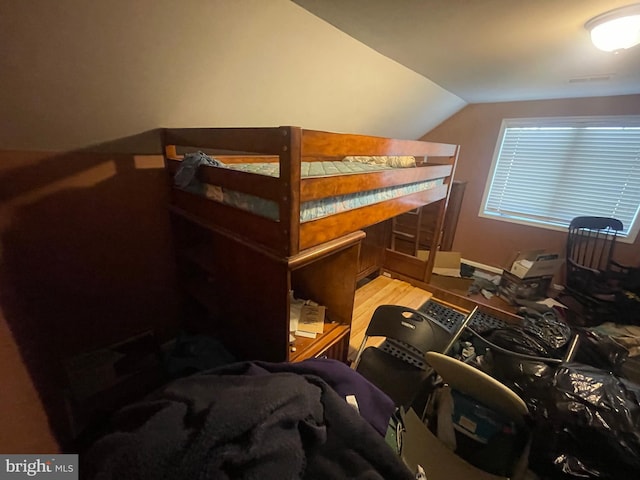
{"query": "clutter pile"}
{"type": "Point", "coordinates": [584, 403]}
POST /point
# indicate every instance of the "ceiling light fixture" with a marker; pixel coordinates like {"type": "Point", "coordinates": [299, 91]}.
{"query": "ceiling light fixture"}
{"type": "Point", "coordinates": [616, 29]}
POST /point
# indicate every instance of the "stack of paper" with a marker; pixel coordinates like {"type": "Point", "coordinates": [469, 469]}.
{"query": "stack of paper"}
{"type": "Point", "coordinates": [306, 318]}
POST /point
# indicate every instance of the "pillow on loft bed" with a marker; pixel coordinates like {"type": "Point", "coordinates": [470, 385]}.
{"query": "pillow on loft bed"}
{"type": "Point", "coordinates": [394, 161]}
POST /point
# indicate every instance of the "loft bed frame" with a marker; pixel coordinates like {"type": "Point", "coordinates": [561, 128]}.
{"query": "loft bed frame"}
{"type": "Point", "coordinates": [289, 146]}
{"type": "Point", "coordinates": [319, 259]}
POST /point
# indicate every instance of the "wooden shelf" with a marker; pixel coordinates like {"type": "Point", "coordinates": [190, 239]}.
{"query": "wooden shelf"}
{"type": "Point", "coordinates": [313, 347]}
{"type": "Point", "coordinates": [245, 291]}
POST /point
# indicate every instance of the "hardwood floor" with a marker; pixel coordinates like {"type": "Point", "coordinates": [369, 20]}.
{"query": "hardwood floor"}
{"type": "Point", "coordinates": [380, 291]}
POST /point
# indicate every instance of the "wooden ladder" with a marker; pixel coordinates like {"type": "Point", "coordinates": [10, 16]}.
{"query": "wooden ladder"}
{"type": "Point", "coordinates": [397, 233]}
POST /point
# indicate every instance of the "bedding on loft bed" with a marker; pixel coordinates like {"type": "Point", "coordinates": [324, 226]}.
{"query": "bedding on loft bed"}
{"type": "Point", "coordinates": [186, 179]}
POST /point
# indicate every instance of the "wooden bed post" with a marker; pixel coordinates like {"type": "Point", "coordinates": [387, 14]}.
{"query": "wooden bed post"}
{"type": "Point", "coordinates": [290, 169]}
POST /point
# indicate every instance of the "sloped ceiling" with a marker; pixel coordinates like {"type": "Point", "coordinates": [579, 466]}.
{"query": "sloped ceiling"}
{"type": "Point", "coordinates": [491, 50]}
{"type": "Point", "coordinates": [74, 74]}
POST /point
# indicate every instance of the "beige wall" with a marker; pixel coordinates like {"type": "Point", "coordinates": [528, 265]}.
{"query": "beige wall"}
{"type": "Point", "coordinates": [476, 128]}
{"type": "Point", "coordinates": [79, 73]}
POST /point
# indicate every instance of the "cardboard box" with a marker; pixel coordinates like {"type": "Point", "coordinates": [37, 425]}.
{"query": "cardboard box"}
{"type": "Point", "coordinates": [536, 263]}
{"type": "Point", "coordinates": [446, 271]}
{"type": "Point", "coordinates": [446, 263]}
{"type": "Point", "coordinates": [459, 285]}
{"type": "Point", "coordinates": [512, 287]}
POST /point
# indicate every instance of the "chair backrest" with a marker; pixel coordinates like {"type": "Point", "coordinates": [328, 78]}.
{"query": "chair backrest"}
{"type": "Point", "coordinates": [408, 326]}
{"type": "Point", "coordinates": [479, 386]}
{"type": "Point", "coordinates": [590, 244]}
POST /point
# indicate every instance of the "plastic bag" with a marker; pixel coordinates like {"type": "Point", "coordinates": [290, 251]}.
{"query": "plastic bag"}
{"type": "Point", "coordinates": [601, 351]}
{"type": "Point", "coordinates": [553, 332]}
{"type": "Point", "coordinates": [515, 372]}
{"type": "Point", "coordinates": [517, 339]}
{"type": "Point", "coordinates": [586, 424]}
{"type": "Point", "coordinates": [541, 335]}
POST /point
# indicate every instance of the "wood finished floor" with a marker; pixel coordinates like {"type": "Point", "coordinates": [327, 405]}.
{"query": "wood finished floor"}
{"type": "Point", "coordinates": [380, 291]}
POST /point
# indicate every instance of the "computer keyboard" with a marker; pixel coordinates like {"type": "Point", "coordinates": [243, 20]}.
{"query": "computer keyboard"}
{"type": "Point", "coordinates": [450, 319]}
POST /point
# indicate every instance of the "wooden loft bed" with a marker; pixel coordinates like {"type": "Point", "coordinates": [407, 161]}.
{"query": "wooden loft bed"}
{"type": "Point", "coordinates": [289, 146]}
{"type": "Point", "coordinates": [245, 262]}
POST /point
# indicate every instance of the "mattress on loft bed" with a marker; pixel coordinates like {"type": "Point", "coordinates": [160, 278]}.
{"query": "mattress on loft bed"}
{"type": "Point", "coordinates": [315, 209]}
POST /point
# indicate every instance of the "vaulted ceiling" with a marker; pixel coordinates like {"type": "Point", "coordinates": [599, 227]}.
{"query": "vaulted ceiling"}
{"type": "Point", "coordinates": [491, 50]}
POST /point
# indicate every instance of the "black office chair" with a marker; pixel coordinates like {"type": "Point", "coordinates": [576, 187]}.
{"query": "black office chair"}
{"type": "Point", "coordinates": [397, 367]}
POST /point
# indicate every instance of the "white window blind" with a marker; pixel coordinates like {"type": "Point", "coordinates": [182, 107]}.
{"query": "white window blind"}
{"type": "Point", "coordinates": [547, 171]}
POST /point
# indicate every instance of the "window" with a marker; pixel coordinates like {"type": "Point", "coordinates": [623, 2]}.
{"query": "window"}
{"type": "Point", "coordinates": [547, 171]}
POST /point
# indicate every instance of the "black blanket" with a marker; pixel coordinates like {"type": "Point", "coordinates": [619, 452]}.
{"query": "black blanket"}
{"type": "Point", "coordinates": [219, 425]}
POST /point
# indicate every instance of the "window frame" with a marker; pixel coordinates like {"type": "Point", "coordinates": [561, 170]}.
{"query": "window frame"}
{"type": "Point", "coordinates": [542, 122]}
